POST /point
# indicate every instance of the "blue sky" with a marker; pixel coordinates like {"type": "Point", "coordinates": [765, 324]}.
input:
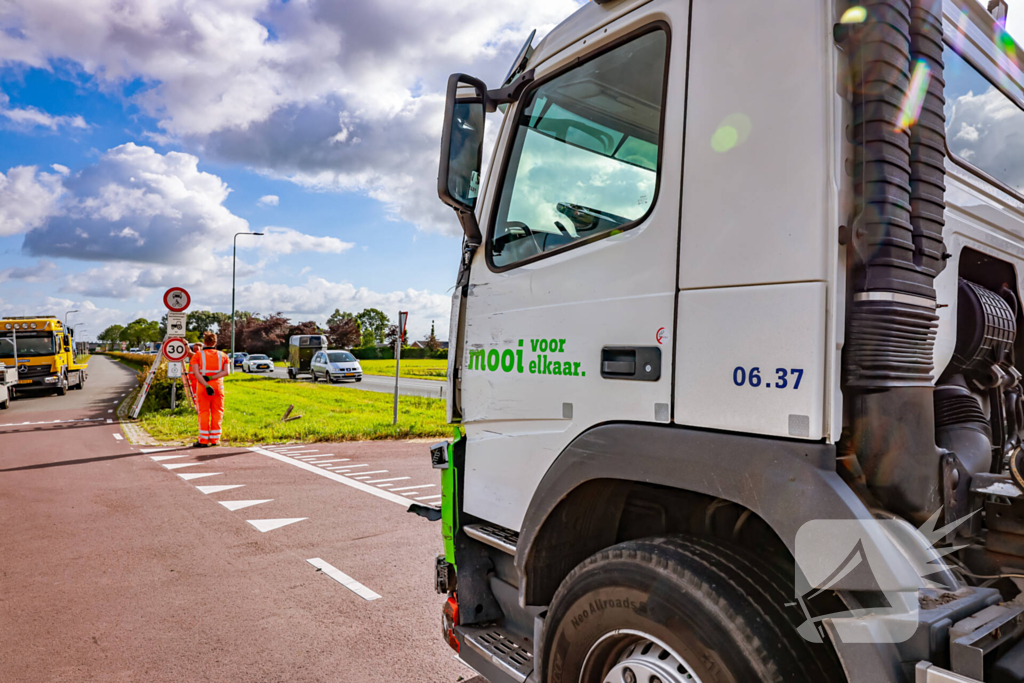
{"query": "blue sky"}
{"type": "Point", "coordinates": [137, 137]}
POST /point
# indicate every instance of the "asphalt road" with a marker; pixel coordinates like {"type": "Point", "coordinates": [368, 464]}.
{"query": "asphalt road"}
{"type": "Point", "coordinates": [118, 564]}
{"type": "Point", "coordinates": [427, 388]}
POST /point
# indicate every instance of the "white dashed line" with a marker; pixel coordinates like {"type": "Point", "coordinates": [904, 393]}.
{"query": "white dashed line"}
{"type": "Point", "coordinates": [322, 462]}
{"type": "Point", "coordinates": [110, 411]}
{"type": "Point", "coordinates": [344, 579]}
{"type": "Point", "coordinates": [429, 497]}
{"type": "Point", "coordinates": [348, 467]}
{"type": "Point", "coordinates": [413, 488]}
{"type": "Point", "coordinates": [366, 475]}
{"type": "Point", "coordinates": [187, 477]}
{"type": "Point", "coordinates": [118, 437]}
{"type": "Point", "coordinates": [333, 476]}
{"type": "Point", "coordinates": [377, 481]}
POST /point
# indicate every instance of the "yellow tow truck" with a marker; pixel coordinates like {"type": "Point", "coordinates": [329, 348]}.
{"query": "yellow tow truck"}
{"type": "Point", "coordinates": [43, 350]}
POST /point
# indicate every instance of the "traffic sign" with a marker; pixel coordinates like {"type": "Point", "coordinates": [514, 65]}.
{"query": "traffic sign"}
{"type": "Point", "coordinates": [176, 323]}
{"type": "Point", "coordinates": [177, 299]}
{"type": "Point", "coordinates": [174, 370]}
{"type": "Point", "coordinates": [175, 349]}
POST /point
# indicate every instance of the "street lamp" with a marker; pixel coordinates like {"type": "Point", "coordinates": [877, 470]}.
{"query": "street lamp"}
{"type": "Point", "coordinates": [66, 318]}
{"type": "Point", "coordinates": [234, 252]}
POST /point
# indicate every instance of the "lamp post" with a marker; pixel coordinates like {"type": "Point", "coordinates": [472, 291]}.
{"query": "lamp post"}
{"type": "Point", "coordinates": [234, 252]}
{"type": "Point", "coordinates": [66, 318]}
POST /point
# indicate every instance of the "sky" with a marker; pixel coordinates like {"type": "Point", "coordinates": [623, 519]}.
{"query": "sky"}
{"type": "Point", "coordinates": [138, 136]}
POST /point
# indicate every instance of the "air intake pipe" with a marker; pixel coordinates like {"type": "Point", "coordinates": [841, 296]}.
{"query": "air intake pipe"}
{"type": "Point", "coordinates": [898, 251]}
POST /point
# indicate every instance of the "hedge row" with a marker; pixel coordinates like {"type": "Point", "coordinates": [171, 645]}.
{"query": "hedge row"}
{"type": "Point", "coordinates": [388, 353]}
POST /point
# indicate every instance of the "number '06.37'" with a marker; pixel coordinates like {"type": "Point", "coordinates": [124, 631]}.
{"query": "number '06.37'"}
{"type": "Point", "coordinates": [784, 379]}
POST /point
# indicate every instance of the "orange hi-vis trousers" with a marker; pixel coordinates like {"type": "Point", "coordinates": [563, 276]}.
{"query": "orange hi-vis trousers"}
{"type": "Point", "coordinates": [211, 414]}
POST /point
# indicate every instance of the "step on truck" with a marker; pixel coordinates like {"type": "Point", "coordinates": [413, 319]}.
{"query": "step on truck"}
{"type": "Point", "coordinates": [734, 353]}
{"type": "Point", "coordinates": [43, 351]}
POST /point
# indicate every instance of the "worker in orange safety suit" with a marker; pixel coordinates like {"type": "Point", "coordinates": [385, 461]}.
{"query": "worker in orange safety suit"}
{"type": "Point", "coordinates": [210, 367]}
{"type": "Point", "coordinates": [192, 383]}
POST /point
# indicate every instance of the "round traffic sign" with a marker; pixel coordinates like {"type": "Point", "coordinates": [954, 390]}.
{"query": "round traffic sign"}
{"type": "Point", "coordinates": [175, 349]}
{"type": "Point", "coordinates": [177, 299]}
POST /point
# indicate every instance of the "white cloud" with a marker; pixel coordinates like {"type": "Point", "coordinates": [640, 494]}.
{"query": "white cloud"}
{"type": "Point", "coordinates": [31, 117]}
{"type": "Point", "coordinates": [989, 133]}
{"type": "Point", "coordinates": [334, 95]}
{"type": "Point", "coordinates": [61, 169]}
{"type": "Point", "coordinates": [43, 271]}
{"type": "Point", "coordinates": [269, 200]}
{"type": "Point", "coordinates": [27, 198]}
{"type": "Point", "coordinates": [282, 241]}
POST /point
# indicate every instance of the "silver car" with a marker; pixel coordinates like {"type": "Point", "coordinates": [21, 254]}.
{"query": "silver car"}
{"type": "Point", "coordinates": [335, 366]}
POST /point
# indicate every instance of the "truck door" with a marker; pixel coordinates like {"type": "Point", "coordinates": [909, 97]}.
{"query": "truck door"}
{"type": "Point", "coordinates": [572, 294]}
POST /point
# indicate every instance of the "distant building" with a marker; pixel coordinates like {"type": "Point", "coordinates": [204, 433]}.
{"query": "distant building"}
{"type": "Point", "coordinates": [443, 345]}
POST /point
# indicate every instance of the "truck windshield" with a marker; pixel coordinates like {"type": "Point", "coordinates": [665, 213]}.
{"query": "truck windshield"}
{"type": "Point", "coordinates": [30, 344]}
{"type": "Point", "coordinates": [585, 156]}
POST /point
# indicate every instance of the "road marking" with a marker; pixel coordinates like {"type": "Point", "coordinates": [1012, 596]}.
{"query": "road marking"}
{"type": "Point", "coordinates": [239, 504]}
{"type": "Point", "coordinates": [265, 525]}
{"type": "Point", "coordinates": [321, 462]}
{"type": "Point", "coordinates": [110, 411]}
{"type": "Point", "coordinates": [385, 485]}
{"type": "Point", "coordinates": [147, 451]}
{"type": "Point", "coordinates": [110, 422]}
{"type": "Point", "coordinates": [411, 488]}
{"type": "Point", "coordinates": [366, 475]}
{"type": "Point", "coordinates": [118, 437]}
{"type": "Point", "coordinates": [179, 465]}
{"type": "Point", "coordinates": [348, 467]}
{"type": "Point", "coordinates": [315, 450]}
{"type": "Point", "coordinates": [187, 477]}
{"type": "Point", "coordinates": [429, 497]}
{"type": "Point", "coordinates": [51, 422]}
{"type": "Point", "coordinates": [377, 481]}
{"type": "Point", "coordinates": [207, 490]}
{"type": "Point", "coordinates": [158, 458]}
{"type": "Point", "coordinates": [344, 579]}
{"type": "Point", "coordinates": [333, 476]}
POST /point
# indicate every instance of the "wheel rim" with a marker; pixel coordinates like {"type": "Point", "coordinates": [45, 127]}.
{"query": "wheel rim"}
{"type": "Point", "coordinates": [627, 656]}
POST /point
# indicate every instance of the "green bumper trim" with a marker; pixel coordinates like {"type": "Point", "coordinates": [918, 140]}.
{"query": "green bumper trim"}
{"type": "Point", "coordinates": [450, 502]}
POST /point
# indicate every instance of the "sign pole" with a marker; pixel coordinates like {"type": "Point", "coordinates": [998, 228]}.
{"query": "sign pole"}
{"type": "Point", "coordinates": [402, 316]}
{"type": "Point", "coordinates": [174, 394]}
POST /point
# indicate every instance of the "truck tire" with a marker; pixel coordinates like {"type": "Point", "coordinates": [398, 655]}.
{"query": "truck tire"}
{"type": "Point", "coordinates": [291, 374]}
{"type": "Point", "coordinates": [6, 403]}
{"type": "Point", "coordinates": [665, 608]}
{"type": "Point", "coordinates": [62, 386]}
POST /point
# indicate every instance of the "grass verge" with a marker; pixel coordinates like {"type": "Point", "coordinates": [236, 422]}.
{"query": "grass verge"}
{"type": "Point", "coordinates": [255, 405]}
{"type": "Point", "coordinates": [414, 368]}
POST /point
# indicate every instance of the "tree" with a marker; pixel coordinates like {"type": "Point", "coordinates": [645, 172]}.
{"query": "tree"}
{"type": "Point", "coordinates": [432, 343]}
{"type": "Point", "coordinates": [204, 321]}
{"type": "Point", "coordinates": [141, 330]}
{"type": "Point", "coordinates": [344, 333]}
{"type": "Point", "coordinates": [111, 334]}
{"type": "Point", "coordinates": [392, 336]}
{"type": "Point", "coordinates": [264, 335]}
{"type": "Point", "coordinates": [339, 316]}
{"type": "Point", "coordinates": [243, 319]}
{"type": "Point", "coordinates": [373, 324]}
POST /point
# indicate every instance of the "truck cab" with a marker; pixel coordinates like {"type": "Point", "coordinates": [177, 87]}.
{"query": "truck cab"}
{"type": "Point", "coordinates": [734, 344]}
{"type": "Point", "coordinates": [43, 351]}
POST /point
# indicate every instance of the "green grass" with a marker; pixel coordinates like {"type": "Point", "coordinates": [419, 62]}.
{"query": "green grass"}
{"type": "Point", "coordinates": [83, 359]}
{"type": "Point", "coordinates": [255, 405]}
{"type": "Point", "coordinates": [414, 368]}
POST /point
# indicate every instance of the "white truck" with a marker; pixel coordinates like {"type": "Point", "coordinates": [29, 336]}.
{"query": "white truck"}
{"type": "Point", "coordinates": [734, 341]}
{"type": "Point", "coordinates": [8, 382]}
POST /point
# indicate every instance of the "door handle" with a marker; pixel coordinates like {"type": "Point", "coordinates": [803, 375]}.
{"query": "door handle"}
{"type": "Point", "coordinates": [637, 363]}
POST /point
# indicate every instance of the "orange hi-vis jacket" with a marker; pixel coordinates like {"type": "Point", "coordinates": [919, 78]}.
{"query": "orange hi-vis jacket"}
{"type": "Point", "coordinates": [210, 362]}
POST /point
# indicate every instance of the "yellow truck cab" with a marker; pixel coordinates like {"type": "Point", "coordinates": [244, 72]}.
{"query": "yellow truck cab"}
{"type": "Point", "coordinates": [42, 349]}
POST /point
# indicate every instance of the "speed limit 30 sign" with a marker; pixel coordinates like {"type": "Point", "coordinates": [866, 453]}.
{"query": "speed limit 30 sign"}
{"type": "Point", "coordinates": [175, 349]}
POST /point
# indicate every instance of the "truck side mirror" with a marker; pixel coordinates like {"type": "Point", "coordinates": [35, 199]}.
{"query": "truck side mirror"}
{"type": "Point", "coordinates": [462, 144]}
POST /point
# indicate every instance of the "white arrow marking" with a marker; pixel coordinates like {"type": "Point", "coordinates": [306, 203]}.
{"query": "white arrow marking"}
{"type": "Point", "coordinates": [188, 477]}
{"type": "Point", "coordinates": [207, 490]}
{"type": "Point", "coordinates": [239, 504]}
{"type": "Point", "coordinates": [265, 525]}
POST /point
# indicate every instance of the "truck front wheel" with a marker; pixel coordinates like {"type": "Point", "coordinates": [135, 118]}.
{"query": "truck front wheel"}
{"type": "Point", "coordinates": [62, 386]}
{"type": "Point", "coordinates": [677, 610]}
